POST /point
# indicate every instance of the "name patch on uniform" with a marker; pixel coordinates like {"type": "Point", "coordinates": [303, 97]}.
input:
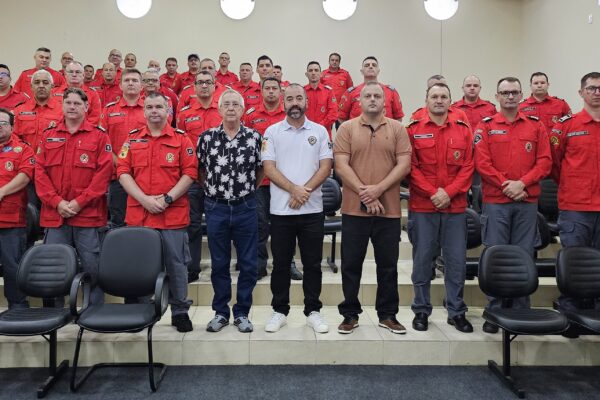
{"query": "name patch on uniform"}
{"type": "Point", "coordinates": [256, 121]}
{"type": "Point", "coordinates": [578, 133]}
{"type": "Point", "coordinates": [497, 132]}
{"type": "Point", "coordinates": [55, 139]}
{"type": "Point", "coordinates": [116, 114]}
{"type": "Point", "coordinates": [138, 140]}
{"type": "Point", "coordinates": [312, 140]}
{"type": "Point", "coordinates": [192, 119]}
{"type": "Point", "coordinates": [528, 109]}
{"type": "Point", "coordinates": [27, 113]}
{"type": "Point", "coordinates": [424, 136]}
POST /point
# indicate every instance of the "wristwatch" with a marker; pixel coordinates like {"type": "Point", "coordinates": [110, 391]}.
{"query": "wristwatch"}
{"type": "Point", "coordinates": [168, 199]}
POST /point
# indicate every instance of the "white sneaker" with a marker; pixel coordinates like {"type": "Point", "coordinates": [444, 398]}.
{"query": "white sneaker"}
{"type": "Point", "coordinates": [316, 321]}
{"type": "Point", "coordinates": [276, 322]}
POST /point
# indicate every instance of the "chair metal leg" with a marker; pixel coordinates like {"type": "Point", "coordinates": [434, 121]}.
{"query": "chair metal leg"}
{"type": "Point", "coordinates": [331, 259]}
{"type": "Point", "coordinates": [77, 384]}
{"type": "Point", "coordinates": [54, 373]}
{"type": "Point", "coordinates": [504, 373]}
{"type": "Point", "coordinates": [163, 368]}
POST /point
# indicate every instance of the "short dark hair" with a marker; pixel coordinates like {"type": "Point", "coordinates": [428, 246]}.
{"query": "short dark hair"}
{"type": "Point", "coordinates": [277, 67]}
{"type": "Point", "coordinates": [313, 62]}
{"type": "Point", "coordinates": [509, 79]}
{"type": "Point", "coordinates": [204, 73]}
{"type": "Point", "coordinates": [538, 74]}
{"type": "Point", "coordinates": [77, 91]}
{"type": "Point", "coordinates": [154, 95]}
{"type": "Point", "coordinates": [335, 54]}
{"type": "Point", "coordinates": [11, 116]}
{"type": "Point", "coordinates": [370, 58]}
{"type": "Point", "coordinates": [437, 77]}
{"type": "Point", "coordinates": [439, 84]}
{"type": "Point", "coordinates": [270, 79]}
{"type": "Point", "coordinates": [171, 59]}
{"type": "Point", "coordinates": [245, 63]}
{"type": "Point", "coordinates": [589, 75]}
{"type": "Point", "coordinates": [263, 57]}
{"type": "Point", "coordinates": [131, 71]}
{"type": "Point", "coordinates": [5, 67]}
{"type": "Point", "coordinates": [43, 49]}
{"type": "Point", "coordinates": [88, 65]}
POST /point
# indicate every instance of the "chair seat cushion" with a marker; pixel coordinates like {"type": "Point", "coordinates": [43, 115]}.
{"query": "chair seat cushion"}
{"type": "Point", "coordinates": [587, 318]}
{"type": "Point", "coordinates": [109, 318]}
{"type": "Point", "coordinates": [332, 224]}
{"type": "Point", "coordinates": [33, 321]}
{"type": "Point", "coordinates": [527, 321]}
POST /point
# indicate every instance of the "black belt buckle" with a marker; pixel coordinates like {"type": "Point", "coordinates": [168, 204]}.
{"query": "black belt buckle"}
{"type": "Point", "coordinates": [231, 202]}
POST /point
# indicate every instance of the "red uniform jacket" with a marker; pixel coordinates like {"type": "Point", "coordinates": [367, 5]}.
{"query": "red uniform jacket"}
{"type": "Point", "coordinates": [95, 106]}
{"type": "Point", "coordinates": [23, 84]}
{"type": "Point", "coordinates": [252, 93]}
{"type": "Point", "coordinates": [517, 150]}
{"type": "Point", "coordinates": [186, 79]}
{"type": "Point", "coordinates": [476, 111]}
{"type": "Point", "coordinates": [31, 119]}
{"type": "Point", "coordinates": [77, 167]}
{"type": "Point", "coordinates": [442, 157]}
{"type": "Point", "coordinates": [157, 164]}
{"type": "Point", "coordinates": [226, 79]}
{"type": "Point", "coordinates": [454, 114]}
{"type": "Point", "coordinates": [119, 119]}
{"type": "Point", "coordinates": [108, 92]}
{"type": "Point", "coordinates": [195, 119]}
{"type": "Point", "coordinates": [13, 99]}
{"type": "Point", "coordinates": [350, 103]}
{"type": "Point", "coordinates": [98, 74]}
{"type": "Point", "coordinates": [549, 110]}
{"type": "Point", "coordinates": [322, 106]}
{"type": "Point", "coordinates": [575, 143]}
{"type": "Point", "coordinates": [189, 92]}
{"type": "Point", "coordinates": [15, 157]}
{"type": "Point", "coordinates": [173, 83]}
{"type": "Point", "coordinates": [339, 81]}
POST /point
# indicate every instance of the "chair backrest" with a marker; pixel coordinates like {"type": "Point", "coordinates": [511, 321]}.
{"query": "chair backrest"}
{"type": "Point", "coordinates": [507, 271]}
{"type": "Point", "coordinates": [578, 272]}
{"type": "Point", "coordinates": [548, 199]}
{"type": "Point", "coordinates": [473, 228]}
{"type": "Point", "coordinates": [332, 196]}
{"type": "Point", "coordinates": [47, 270]}
{"type": "Point", "coordinates": [130, 261]}
{"type": "Point", "coordinates": [544, 235]}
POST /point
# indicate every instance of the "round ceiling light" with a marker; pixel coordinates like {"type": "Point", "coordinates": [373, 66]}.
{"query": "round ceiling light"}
{"type": "Point", "coordinates": [441, 9]}
{"type": "Point", "coordinates": [339, 9]}
{"type": "Point", "coordinates": [134, 8]}
{"type": "Point", "coordinates": [237, 9]}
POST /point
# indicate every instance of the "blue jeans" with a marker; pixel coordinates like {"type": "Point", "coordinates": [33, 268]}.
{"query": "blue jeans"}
{"type": "Point", "coordinates": [239, 223]}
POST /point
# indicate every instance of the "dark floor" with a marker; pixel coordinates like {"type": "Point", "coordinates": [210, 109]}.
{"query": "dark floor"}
{"type": "Point", "coordinates": [315, 382]}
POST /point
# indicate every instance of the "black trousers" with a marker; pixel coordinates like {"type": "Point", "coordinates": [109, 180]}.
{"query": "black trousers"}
{"type": "Point", "coordinates": [384, 233]}
{"type": "Point", "coordinates": [309, 231]}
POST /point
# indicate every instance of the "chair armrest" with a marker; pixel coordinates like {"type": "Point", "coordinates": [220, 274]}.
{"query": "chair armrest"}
{"type": "Point", "coordinates": [161, 294]}
{"type": "Point", "coordinates": [82, 279]}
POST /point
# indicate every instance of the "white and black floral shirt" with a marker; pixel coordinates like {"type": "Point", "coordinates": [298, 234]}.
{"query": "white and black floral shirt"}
{"type": "Point", "coordinates": [229, 165]}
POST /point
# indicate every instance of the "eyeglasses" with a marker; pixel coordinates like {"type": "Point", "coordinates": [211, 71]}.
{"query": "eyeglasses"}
{"type": "Point", "coordinates": [204, 83]}
{"type": "Point", "coordinates": [227, 105]}
{"type": "Point", "coordinates": [150, 80]}
{"type": "Point", "coordinates": [508, 93]}
{"type": "Point", "coordinates": [76, 72]}
{"type": "Point", "coordinates": [4, 123]}
{"type": "Point", "coordinates": [4, 75]}
{"type": "Point", "coordinates": [592, 89]}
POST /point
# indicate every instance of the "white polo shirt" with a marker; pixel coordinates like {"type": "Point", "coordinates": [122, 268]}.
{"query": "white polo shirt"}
{"type": "Point", "coordinates": [297, 153]}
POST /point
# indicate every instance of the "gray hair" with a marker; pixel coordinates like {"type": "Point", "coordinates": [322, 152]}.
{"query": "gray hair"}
{"type": "Point", "coordinates": [42, 72]}
{"type": "Point", "coordinates": [234, 92]}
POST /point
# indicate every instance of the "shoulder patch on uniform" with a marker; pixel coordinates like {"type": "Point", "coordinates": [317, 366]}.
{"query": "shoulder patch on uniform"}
{"type": "Point", "coordinates": [108, 148]}
{"type": "Point", "coordinates": [180, 131]}
{"type": "Point", "coordinates": [412, 122]}
{"type": "Point", "coordinates": [477, 138]}
{"type": "Point", "coordinates": [134, 131]}
{"type": "Point", "coordinates": [565, 118]}
{"type": "Point", "coordinates": [190, 151]}
{"type": "Point", "coordinates": [185, 108]}
{"type": "Point", "coordinates": [111, 104]}
{"type": "Point", "coordinates": [487, 119]}
{"type": "Point", "coordinates": [461, 122]}
{"type": "Point", "coordinates": [101, 128]}
{"type": "Point", "coordinates": [250, 110]}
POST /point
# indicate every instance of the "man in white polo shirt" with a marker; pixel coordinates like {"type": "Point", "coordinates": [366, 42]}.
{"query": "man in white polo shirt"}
{"type": "Point", "coordinates": [297, 158]}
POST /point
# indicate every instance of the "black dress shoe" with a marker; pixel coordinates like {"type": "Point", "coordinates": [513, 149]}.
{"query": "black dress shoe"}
{"type": "Point", "coordinates": [262, 272]}
{"type": "Point", "coordinates": [419, 322]}
{"type": "Point", "coordinates": [193, 276]}
{"type": "Point", "coordinates": [461, 323]}
{"type": "Point", "coordinates": [490, 328]}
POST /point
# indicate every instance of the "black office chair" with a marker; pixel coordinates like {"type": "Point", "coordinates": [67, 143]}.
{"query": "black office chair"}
{"type": "Point", "coordinates": [131, 266]}
{"type": "Point", "coordinates": [578, 276]}
{"type": "Point", "coordinates": [507, 272]}
{"type": "Point", "coordinates": [332, 201]}
{"type": "Point", "coordinates": [45, 271]}
{"type": "Point", "coordinates": [548, 204]}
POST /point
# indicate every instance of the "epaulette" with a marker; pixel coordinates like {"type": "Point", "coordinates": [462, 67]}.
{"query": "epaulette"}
{"type": "Point", "coordinates": [186, 108]}
{"type": "Point", "coordinates": [111, 104]}
{"type": "Point", "coordinates": [391, 87]}
{"type": "Point", "coordinates": [461, 122]}
{"type": "Point", "coordinates": [328, 87]}
{"type": "Point", "coordinates": [533, 117]}
{"type": "Point", "coordinates": [250, 110]}
{"type": "Point", "coordinates": [51, 125]}
{"type": "Point", "coordinates": [180, 131]}
{"type": "Point", "coordinates": [487, 119]}
{"type": "Point", "coordinates": [490, 103]}
{"type": "Point", "coordinates": [134, 131]}
{"type": "Point", "coordinates": [101, 128]}
{"type": "Point", "coordinates": [185, 87]}
{"type": "Point", "coordinates": [412, 122]}
{"type": "Point", "coordinates": [25, 94]}
{"type": "Point", "coordinates": [565, 118]}
{"type": "Point", "coordinates": [558, 98]}
{"type": "Point", "coordinates": [350, 89]}
{"type": "Point", "coordinates": [93, 88]}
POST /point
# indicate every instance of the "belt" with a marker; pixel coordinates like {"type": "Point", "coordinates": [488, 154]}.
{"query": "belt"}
{"type": "Point", "coordinates": [231, 202]}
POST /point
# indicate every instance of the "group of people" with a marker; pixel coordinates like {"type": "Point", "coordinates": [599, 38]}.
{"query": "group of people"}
{"type": "Point", "coordinates": [252, 157]}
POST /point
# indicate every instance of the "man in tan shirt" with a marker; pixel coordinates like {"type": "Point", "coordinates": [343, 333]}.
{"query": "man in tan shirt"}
{"type": "Point", "coordinates": [372, 155]}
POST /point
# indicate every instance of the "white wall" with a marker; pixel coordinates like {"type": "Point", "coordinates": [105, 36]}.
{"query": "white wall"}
{"type": "Point", "coordinates": [492, 38]}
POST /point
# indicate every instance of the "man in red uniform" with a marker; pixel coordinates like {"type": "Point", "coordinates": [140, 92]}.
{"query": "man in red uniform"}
{"type": "Point", "coordinates": [74, 77]}
{"type": "Point", "coordinates": [188, 77]}
{"type": "Point", "coordinates": [473, 106]}
{"type": "Point", "coordinates": [575, 143]}
{"type": "Point", "coordinates": [540, 104]}
{"type": "Point", "coordinates": [440, 177]}
{"type": "Point", "coordinates": [350, 100]}
{"type": "Point", "coordinates": [278, 74]}
{"type": "Point", "coordinates": [199, 116]}
{"type": "Point", "coordinates": [336, 77]}
{"type": "Point", "coordinates": [151, 83]}
{"type": "Point", "coordinates": [42, 59]}
{"type": "Point", "coordinates": [9, 97]}
{"type": "Point", "coordinates": [171, 78]}
{"type": "Point", "coordinates": [88, 74]}
{"type": "Point", "coordinates": [421, 113]}
{"type": "Point", "coordinates": [156, 167]}
{"type": "Point", "coordinates": [130, 60]}
{"type": "Point", "coordinates": [107, 86]}
{"type": "Point", "coordinates": [512, 155]}
{"type": "Point", "coordinates": [188, 93]}
{"type": "Point", "coordinates": [269, 112]}
{"type": "Point", "coordinates": [16, 171]}
{"type": "Point", "coordinates": [39, 112]}
{"type": "Point", "coordinates": [250, 90]}
{"type": "Point", "coordinates": [322, 104]}
{"type": "Point", "coordinates": [65, 59]}
{"type": "Point", "coordinates": [223, 75]}
{"type": "Point", "coordinates": [114, 57]}
{"type": "Point", "coordinates": [73, 168]}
